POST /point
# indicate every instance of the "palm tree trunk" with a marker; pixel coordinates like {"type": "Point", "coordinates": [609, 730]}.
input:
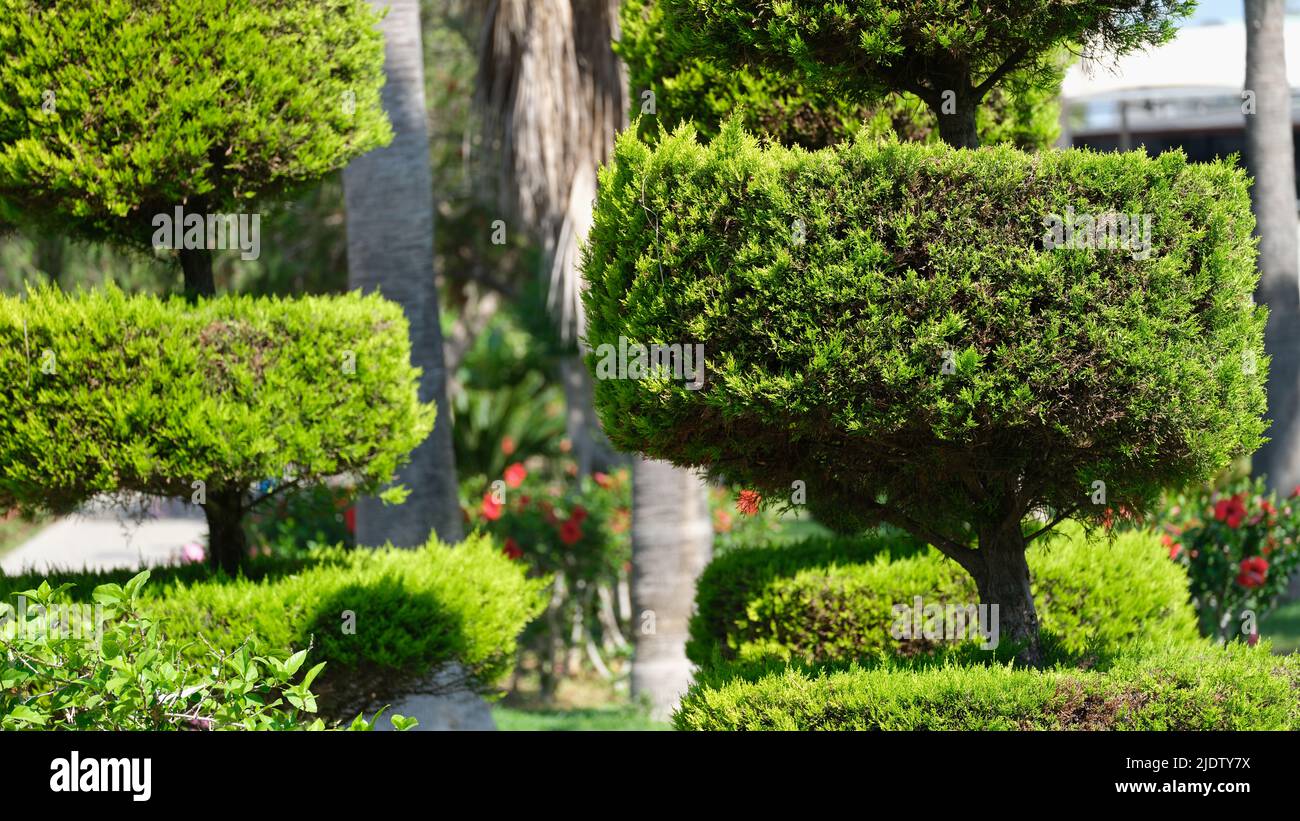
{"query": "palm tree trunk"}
{"type": "Point", "coordinates": [672, 541]}
{"type": "Point", "coordinates": [389, 197]}
{"type": "Point", "coordinates": [1270, 159]}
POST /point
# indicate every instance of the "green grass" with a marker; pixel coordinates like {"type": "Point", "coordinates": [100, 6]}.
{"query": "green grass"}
{"type": "Point", "coordinates": [1282, 627]}
{"type": "Point", "coordinates": [591, 718]}
{"type": "Point", "coordinates": [16, 530]}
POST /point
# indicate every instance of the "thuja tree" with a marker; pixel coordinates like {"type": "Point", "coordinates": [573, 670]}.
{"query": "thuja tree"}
{"type": "Point", "coordinates": [951, 54]}
{"type": "Point", "coordinates": [932, 338]}
{"type": "Point", "coordinates": [673, 79]}
{"type": "Point", "coordinates": [227, 402]}
{"type": "Point", "coordinates": [115, 113]}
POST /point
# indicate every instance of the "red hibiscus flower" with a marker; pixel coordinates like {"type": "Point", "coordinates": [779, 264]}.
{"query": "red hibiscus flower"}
{"type": "Point", "coordinates": [1230, 511]}
{"type": "Point", "coordinates": [602, 479]}
{"type": "Point", "coordinates": [515, 475]}
{"type": "Point", "coordinates": [491, 508]}
{"type": "Point", "coordinates": [512, 549]}
{"type": "Point", "coordinates": [1174, 547]}
{"type": "Point", "coordinates": [748, 502]}
{"type": "Point", "coordinates": [579, 514]}
{"type": "Point", "coordinates": [507, 445]}
{"type": "Point", "coordinates": [1252, 572]}
{"type": "Point", "coordinates": [570, 532]}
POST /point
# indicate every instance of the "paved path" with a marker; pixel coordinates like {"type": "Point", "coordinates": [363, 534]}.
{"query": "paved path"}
{"type": "Point", "coordinates": [103, 539]}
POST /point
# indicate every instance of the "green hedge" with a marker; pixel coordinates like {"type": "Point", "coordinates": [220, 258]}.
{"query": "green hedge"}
{"type": "Point", "coordinates": [1198, 687]}
{"type": "Point", "coordinates": [414, 610]}
{"type": "Point", "coordinates": [102, 392]}
{"type": "Point", "coordinates": [831, 600]}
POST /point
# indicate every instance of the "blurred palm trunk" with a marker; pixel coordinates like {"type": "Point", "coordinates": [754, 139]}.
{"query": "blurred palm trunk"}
{"type": "Point", "coordinates": [553, 97]}
{"type": "Point", "coordinates": [389, 197]}
{"type": "Point", "coordinates": [1270, 159]}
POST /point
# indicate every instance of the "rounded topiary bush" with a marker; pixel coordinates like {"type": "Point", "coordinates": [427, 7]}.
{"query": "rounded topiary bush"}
{"type": "Point", "coordinates": [832, 600]}
{"type": "Point", "coordinates": [114, 113]}
{"type": "Point", "coordinates": [101, 392]}
{"type": "Point", "coordinates": [688, 85]}
{"type": "Point", "coordinates": [912, 332]}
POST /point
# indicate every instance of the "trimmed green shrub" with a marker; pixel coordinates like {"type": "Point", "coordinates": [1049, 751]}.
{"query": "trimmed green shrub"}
{"type": "Point", "coordinates": [949, 53]}
{"type": "Point", "coordinates": [381, 619]}
{"type": "Point", "coordinates": [113, 112]}
{"type": "Point", "coordinates": [897, 326]}
{"type": "Point", "coordinates": [1199, 688]}
{"type": "Point", "coordinates": [832, 600]}
{"type": "Point", "coordinates": [103, 393]}
{"type": "Point", "coordinates": [686, 86]}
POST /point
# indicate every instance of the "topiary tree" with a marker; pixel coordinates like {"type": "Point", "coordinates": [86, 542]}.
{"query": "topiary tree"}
{"type": "Point", "coordinates": [949, 53]}
{"type": "Point", "coordinates": [686, 83]}
{"type": "Point", "coordinates": [116, 112]}
{"type": "Point", "coordinates": [898, 327]}
{"type": "Point", "coordinates": [228, 403]}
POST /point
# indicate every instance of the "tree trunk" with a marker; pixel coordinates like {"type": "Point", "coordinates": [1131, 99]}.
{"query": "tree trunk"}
{"type": "Point", "coordinates": [227, 544]}
{"type": "Point", "coordinates": [672, 541]}
{"type": "Point", "coordinates": [591, 450]}
{"type": "Point", "coordinates": [196, 263]}
{"type": "Point", "coordinates": [1270, 159]}
{"type": "Point", "coordinates": [957, 127]}
{"type": "Point", "coordinates": [1002, 576]}
{"type": "Point", "coordinates": [389, 197]}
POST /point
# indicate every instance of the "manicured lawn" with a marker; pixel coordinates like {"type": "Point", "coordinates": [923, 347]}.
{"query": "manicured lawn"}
{"type": "Point", "coordinates": [588, 718]}
{"type": "Point", "coordinates": [14, 531]}
{"type": "Point", "coordinates": [1282, 627]}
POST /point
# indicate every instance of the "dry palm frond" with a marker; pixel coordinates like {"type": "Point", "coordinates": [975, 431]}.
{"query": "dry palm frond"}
{"type": "Point", "coordinates": [552, 97]}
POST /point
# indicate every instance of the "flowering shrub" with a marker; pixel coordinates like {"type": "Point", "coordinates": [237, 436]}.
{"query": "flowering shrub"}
{"type": "Point", "coordinates": [1239, 545]}
{"type": "Point", "coordinates": [578, 532]}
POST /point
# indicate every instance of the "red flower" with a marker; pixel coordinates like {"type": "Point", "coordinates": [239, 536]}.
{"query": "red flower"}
{"type": "Point", "coordinates": [1174, 547]}
{"type": "Point", "coordinates": [1252, 572]}
{"type": "Point", "coordinates": [602, 479]}
{"type": "Point", "coordinates": [515, 475]}
{"type": "Point", "coordinates": [579, 514]}
{"type": "Point", "coordinates": [512, 549]}
{"type": "Point", "coordinates": [1295, 492]}
{"type": "Point", "coordinates": [748, 502]}
{"type": "Point", "coordinates": [507, 445]}
{"type": "Point", "coordinates": [570, 532]}
{"type": "Point", "coordinates": [1230, 511]}
{"type": "Point", "coordinates": [350, 520]}
{"type": "Point", "coordinates": [1252, 639]}
{"type": "Point", "coordinates": [491, 508]}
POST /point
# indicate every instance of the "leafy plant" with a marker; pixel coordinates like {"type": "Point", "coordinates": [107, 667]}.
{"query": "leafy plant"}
{"type": "Point", "coordinates": [114, 667]}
